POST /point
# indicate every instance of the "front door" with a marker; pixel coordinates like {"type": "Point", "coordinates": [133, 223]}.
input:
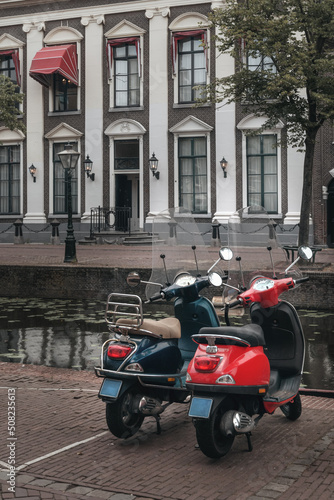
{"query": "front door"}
{"type": "Point", "coordinates": [330, 215]}
{"type": "Point", "coordinates": [127, 202]}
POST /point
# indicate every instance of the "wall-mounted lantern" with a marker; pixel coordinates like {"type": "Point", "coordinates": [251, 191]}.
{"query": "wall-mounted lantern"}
{"type": "Point", "coordinates": [223, 164]}
{"type": "Point", "coordinates": [88, 166]}
{"type": "Point", "coordinates": [154, 162]}
{"type": "Point", "coordinates": [32, 170]}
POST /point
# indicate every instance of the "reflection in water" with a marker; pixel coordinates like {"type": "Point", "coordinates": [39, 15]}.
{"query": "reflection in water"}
{"type": "Point", "coordinates": [69, 334]}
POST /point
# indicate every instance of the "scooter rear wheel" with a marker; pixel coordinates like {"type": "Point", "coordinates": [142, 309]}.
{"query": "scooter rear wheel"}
{"type": "Point", "coordinates": [121, 420]}
{"type": "Point", "coordinates": [293, 410]}
{"type": "Point", "coordinates": [212, 442]}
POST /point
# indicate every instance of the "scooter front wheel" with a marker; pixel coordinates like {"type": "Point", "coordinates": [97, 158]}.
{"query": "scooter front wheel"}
{"type": "Point", "coordinates": [293, 410]}
{"type": "Point", "coordinates": [212, 442]}
{"type": "Point", "coordinates": [121, 420]}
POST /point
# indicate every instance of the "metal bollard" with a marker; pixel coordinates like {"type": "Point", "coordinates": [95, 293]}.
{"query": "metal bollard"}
{"type": "Point", "coordinates": [18, 238]}
{"type": "Point", "coordinates": [55, 240]}
{"type": "Point", "coordinates": [215, 240]}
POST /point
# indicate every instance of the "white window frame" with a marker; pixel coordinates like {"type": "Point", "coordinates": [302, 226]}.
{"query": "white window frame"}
{"type": "Point", "coordinates": [64, 35]}
{"type": "Point", "coordinates": [63, 133]}
{"type": "Point", "coordinates": [188, 22]}
{"type": "Point", "coordinates": [8, 42]}
{"type": "Point", "coordinates": [125, 29]}
{"type": "Point", "coordinates": [192, 127]}
{"type": "Point", "coordinates": [14, 138]}
{"type": "Point", "coordinates": [253, 122]}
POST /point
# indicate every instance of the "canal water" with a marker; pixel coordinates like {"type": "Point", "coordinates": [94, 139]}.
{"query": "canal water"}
{"type": "Point", "coordinates": [69, 334]}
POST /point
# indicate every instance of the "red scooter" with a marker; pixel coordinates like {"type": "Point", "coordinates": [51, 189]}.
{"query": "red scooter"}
{"type": "Point", "coordinates": [240, 373]}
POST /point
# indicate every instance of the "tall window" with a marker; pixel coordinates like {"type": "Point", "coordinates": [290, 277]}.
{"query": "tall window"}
{"type": "Point", "coordinates": [7, 67]}
{"type": "Point", "coordinates": [9, 179]}
{"type": "Point", "coordinates": [262, 185]}
{"type": "Point", "coordinates": [192, 68]}
{"type": "Point", "coordinates": [193, 174]}
{"type": "Point", "coordinates": [65, 94]}
{"type": "Point", "coordinates": [127, 87]}
{"type": "Point", "coordinates": [259, 62]}
{"type": "Point", "coordinates": [60, 183]}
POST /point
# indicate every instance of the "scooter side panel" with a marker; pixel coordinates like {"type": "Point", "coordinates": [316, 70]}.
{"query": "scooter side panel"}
{"type": "Point", "coordinates": [155, 356]}
{"type": "Point", "coordinates": [193, 316]}
{"type": "Point", "coordinates": [247, 366]}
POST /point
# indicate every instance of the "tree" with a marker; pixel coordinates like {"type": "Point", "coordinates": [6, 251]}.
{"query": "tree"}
{"type": "Point", "coordinates": [293, 42]}
{"type": "Point", "coordinates": [10, 98]}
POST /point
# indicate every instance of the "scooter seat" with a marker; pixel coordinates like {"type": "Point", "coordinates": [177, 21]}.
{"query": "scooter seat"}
{"type": "Point", "coordinates": [166, 328]}
{"type": "Point", "coordinates": [253, 334]}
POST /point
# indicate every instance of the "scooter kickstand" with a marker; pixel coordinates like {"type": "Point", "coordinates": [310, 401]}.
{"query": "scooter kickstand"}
{"type": "Point", "coordinates": [249, 441]}
{"type": "Point", "coordinates": [158, 418]}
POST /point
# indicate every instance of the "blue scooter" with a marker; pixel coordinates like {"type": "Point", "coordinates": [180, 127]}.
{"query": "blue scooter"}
{"type": "Point", "coordinates": [144, 363]}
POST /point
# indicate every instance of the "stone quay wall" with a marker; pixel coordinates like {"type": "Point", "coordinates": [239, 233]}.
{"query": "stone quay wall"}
{"type": "Point", "coordinates": [74, 282]}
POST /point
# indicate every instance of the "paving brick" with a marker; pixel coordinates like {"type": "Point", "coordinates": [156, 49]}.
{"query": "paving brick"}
{"type": "Point", "coordinates": [160, 467]}
{"type": "Point", "coordinates": [99, 494]}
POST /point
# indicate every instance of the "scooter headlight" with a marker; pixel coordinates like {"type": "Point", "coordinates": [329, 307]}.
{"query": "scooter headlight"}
{"type": "Point", "coordinates": [225, 379]}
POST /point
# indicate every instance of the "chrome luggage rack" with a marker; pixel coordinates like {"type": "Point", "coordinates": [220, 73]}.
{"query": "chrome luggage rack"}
{"type": "Point", "coordinates": [124, 315]}
{"type": "Point", "coordinates": [123, 312]}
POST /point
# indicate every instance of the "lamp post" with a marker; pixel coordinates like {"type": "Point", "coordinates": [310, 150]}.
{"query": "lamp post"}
{"type": "Point", "coordinates": [69, 159]}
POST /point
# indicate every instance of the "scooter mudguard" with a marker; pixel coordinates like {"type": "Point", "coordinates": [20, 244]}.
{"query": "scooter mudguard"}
{"type": "Point", "coordinates": [240, 370]}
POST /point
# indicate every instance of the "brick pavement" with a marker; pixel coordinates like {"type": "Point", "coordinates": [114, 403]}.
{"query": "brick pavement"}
{"type": "Point", "coordinates": [64, 450]}
{"type": "Point", "coordinates": [113, 256]}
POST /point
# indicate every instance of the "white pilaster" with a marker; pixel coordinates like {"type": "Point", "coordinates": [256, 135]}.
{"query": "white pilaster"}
{"type": "Point", "coordinates": [225, 146]}
{"type": "Point", "coordinates": [158, 85]}
{"type": "Point", "coordinates": [295, 184]}
{"type": "Point", "coordinates": [93, 109]}
{"type": "Point", "coordinates": [35, 129]}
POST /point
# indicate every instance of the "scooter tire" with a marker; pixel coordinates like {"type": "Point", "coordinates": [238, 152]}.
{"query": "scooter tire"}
{"type": "Point", "coordinates": [212, 442]}
{"type": "Point", "coordinates": [121, 420]}
{"type": "Point", "coordinates": [293, 410]}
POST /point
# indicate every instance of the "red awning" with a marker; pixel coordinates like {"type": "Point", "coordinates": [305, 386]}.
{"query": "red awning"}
{"type": "Point", "coordinates": [56, 59]}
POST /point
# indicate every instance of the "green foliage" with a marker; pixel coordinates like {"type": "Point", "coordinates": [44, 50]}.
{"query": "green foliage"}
{"type": "Point", "coordinates": [9, 100]}
{"type": "Point", "coordinates": [297, 35]}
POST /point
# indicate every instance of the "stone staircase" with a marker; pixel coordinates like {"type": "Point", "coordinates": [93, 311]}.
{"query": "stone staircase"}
{"type": "Point", "coordinates": [120, 238]}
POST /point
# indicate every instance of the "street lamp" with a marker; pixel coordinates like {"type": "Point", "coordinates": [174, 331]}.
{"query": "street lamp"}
{"type": "Point", "coordinates": [69, 159]}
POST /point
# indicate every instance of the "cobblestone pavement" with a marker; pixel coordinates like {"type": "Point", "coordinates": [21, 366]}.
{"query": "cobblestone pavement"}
{"type": "Point", "coordinates": [64, 451]}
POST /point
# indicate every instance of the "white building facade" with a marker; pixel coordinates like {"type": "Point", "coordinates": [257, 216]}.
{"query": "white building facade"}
{"type": "Point", "coordinates": [118, 81]}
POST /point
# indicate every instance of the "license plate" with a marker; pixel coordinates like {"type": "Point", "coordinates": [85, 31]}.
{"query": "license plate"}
{"type": "Point", "coordinates": [200, 407]}
{"type": "Point", "coordinates": [110, 388]}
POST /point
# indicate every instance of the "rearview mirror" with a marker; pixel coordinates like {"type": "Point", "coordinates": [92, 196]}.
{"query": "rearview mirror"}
{"type": "Point", "coordinates": [133, 279]}
{"type": "Point", "coordinates": [215, 279]}
{"type": "Point", "coordinates": [305, 252]}
{"type": "Point", "coordinates": [225, 253]}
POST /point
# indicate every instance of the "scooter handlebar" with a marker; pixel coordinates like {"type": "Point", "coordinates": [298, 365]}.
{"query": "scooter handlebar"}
{"type": "Point", "coordinates": [301, 280]}
{"type": "Point", "coordinates": [156, 296]}
{"type": "Point", "coordinates": [235, 303]}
